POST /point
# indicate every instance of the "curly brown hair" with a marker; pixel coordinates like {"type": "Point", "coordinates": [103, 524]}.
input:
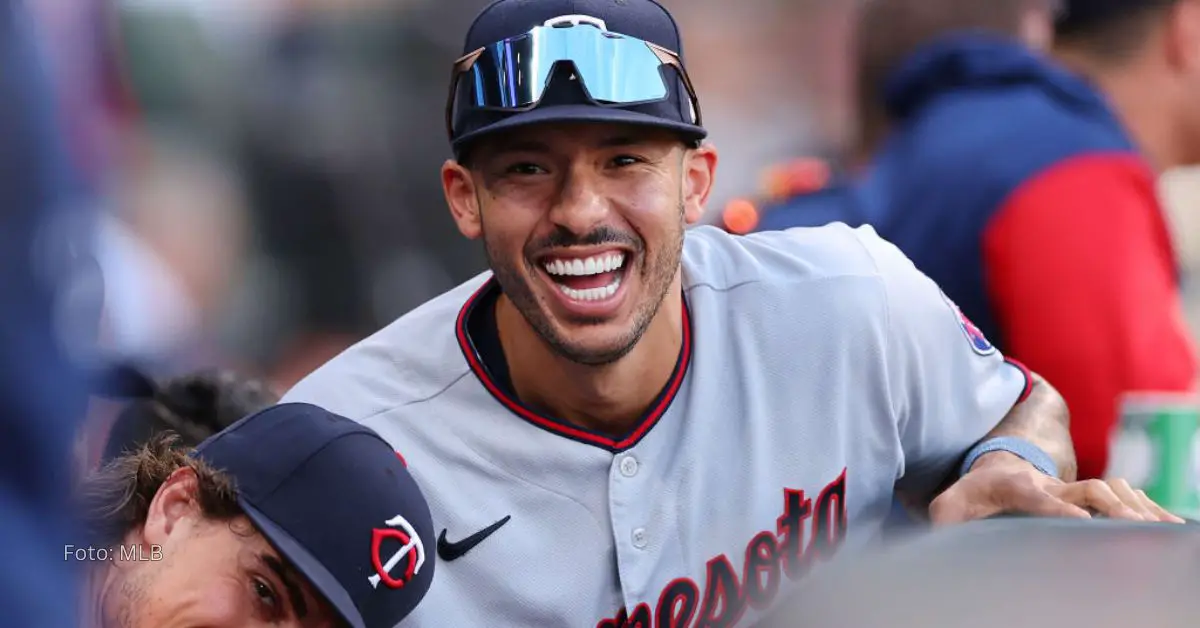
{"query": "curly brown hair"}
{"type": "Point", "coordinates": [115, 499]}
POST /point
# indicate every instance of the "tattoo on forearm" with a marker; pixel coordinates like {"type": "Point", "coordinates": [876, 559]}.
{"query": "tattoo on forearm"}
{"type": "Point", "coordinates": [1044, 420]}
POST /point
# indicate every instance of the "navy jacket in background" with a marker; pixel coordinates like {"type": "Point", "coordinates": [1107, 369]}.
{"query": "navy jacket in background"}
{"type": "Point", "coordinates": [43, 246]}
{"type": "Point", "coordinates": [1011, 183]}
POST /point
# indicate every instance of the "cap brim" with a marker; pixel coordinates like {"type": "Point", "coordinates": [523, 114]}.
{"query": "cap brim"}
{"type": "Point", "coordinates": [581, 113]}
{"type": "Point", "coordinates": [308, 566]}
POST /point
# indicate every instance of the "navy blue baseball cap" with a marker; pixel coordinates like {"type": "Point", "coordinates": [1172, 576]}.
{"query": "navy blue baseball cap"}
{"type": "Point", "coordinates": [1077, 15]}
{"type": "Point", "coordinates": [337, 501]}
{"type": "Point", "coordinates": [520, 63]}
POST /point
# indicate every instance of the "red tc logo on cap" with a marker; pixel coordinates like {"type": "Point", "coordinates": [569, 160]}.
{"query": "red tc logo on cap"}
{"type": "Point", "coordinates": [411, 553]}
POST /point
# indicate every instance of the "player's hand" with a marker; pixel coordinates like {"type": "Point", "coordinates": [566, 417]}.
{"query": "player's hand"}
{"type": "Point", "coordinates": [1001, 482]}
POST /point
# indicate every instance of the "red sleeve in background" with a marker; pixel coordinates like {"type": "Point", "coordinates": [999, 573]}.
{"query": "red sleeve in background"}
{"type": "Point", "coordinates": [1081, 273]}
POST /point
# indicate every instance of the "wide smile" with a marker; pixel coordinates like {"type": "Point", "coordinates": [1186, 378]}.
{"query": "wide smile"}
{"type": "Point", "coordinates": [588, 283]}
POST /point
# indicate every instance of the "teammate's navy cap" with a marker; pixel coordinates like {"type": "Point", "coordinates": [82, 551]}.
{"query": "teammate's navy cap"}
{"type": "Point", "coordinates": [337, 501]}
{"type": "Point", "coordinates": [533, 61]}
{"type": "Point", "coordinates": [1077, 15]}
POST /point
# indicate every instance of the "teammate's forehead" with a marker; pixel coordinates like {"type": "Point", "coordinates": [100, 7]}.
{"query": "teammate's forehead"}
{"type": "Point", "coordinates": [569, 137]}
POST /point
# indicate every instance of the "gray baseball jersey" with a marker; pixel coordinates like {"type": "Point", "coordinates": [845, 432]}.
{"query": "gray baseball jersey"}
{"type": "Point", "coordinates": [819, 371]}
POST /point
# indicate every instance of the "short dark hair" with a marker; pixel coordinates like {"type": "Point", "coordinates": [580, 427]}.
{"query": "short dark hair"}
{"type": "Point", "coordinates": [194, 407]}
{"type": "Point", "coordinates": [1116, 34]}
{"type": "Point", "coordinates": [115, 499]}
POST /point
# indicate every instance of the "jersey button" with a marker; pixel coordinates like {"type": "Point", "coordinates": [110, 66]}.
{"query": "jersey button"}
{"type": "Point", "coordinates": [639, 538]}
{"type": "Point", "coordinates": [629, 466]}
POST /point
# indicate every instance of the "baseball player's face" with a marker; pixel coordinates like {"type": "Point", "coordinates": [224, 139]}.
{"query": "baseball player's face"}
{"type": "Point", "coordinates": [583, 226]}
{"type": "Point", "coordinates": [212, 573]}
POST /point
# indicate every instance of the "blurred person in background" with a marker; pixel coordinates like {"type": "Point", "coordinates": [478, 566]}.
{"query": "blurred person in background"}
{"type": "Point", "coordinates": [329, 529]}
{"type": "Point", "coordinates": [169, 230]}
{"type": "Point", "coordinates": [886, 31]}
{"type": "Point", "coordinates": [193, 407]}
{"type": "Point", "coordinates": [48, 314]}
{"type": "Point", "coordinates": [1024, 189]}
{"type": "Point", "coordinates": [1103, 242]}
{"type": "Point", "coordinates": [171, 246]}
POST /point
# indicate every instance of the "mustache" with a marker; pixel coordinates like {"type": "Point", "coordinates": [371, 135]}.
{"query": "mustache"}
{"type": "Point", "coordinates": [562, 238]}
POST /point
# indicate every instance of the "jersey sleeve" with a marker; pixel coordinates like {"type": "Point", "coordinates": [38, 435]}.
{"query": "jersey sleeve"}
{"type": "Point", "coordinates": [948, 385]}
{"type": "Point", "coordinates": [1081, 274]}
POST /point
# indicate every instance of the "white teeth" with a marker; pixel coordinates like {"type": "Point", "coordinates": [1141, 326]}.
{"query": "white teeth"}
{"type": "Point", "coordinates": [592, 294]}
{"type": "Point", "coordinates": [582, 268]}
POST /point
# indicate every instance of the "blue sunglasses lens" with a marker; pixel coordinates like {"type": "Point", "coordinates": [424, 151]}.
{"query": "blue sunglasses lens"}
{"type": "Point", "coordinates": [613, 69]}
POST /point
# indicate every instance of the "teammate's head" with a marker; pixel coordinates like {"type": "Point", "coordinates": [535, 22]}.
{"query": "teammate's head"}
{"type": "Point", "coordinates": [889, 31]}
{"type": "Point", "coordinates": [582, 173]}
{"type": "Point", "coordinates": [290, 517]}
{"type": "Point", "coordinates": [1145, 54]}
{"type": "Point", "coordinates": [193, 406]}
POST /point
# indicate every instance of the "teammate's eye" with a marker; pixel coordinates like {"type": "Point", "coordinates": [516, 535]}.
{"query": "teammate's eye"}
{"type": "Point", "coordinates": [525, 168]}
{"type": "Point", "coordinates": [622, 161]}
{"type": "Point", "coordinates": [267, 600]}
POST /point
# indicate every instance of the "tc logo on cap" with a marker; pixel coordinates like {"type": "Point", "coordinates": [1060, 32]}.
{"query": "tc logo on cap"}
{"type": "Point", "coordinates": [411, 553]}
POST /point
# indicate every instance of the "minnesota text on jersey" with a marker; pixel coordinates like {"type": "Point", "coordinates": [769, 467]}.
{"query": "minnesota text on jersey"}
{"type": "Point", "coordinates": [769, 556]}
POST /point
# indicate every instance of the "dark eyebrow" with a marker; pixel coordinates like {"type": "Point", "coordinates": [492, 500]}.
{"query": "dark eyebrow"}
{"type": "Point", "coordinates": [288, 577]}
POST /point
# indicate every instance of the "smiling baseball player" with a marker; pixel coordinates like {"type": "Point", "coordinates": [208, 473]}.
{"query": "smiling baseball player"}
{"type": "Point", "coordinates": [624, 423]}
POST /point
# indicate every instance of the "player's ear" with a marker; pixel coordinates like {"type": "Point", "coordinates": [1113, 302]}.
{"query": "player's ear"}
{"type": "Point", "coordinates": [175, 501]}
{"type": "Point", "coordinates": [699, 174]}
{"type": "Point", "coordinates": [1183, 36]}
{"type": "Point", "coordinates": [461, 197]}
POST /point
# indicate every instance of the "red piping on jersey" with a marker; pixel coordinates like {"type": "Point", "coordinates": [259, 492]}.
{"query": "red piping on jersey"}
{"type": "Point", "coordinates": [1028, 378]}
{"type": "Point", "coordinates": [557, 426]}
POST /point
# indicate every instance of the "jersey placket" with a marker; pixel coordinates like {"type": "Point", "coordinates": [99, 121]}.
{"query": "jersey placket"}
{"type": "Point", "coordinates": [643, 513]}
{"type": "Point", "coordinates": [634, 538]}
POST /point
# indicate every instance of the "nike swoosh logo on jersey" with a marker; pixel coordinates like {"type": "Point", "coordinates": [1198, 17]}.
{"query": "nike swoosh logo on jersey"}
{"type": "Point", "coordinates": [448, 551]}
